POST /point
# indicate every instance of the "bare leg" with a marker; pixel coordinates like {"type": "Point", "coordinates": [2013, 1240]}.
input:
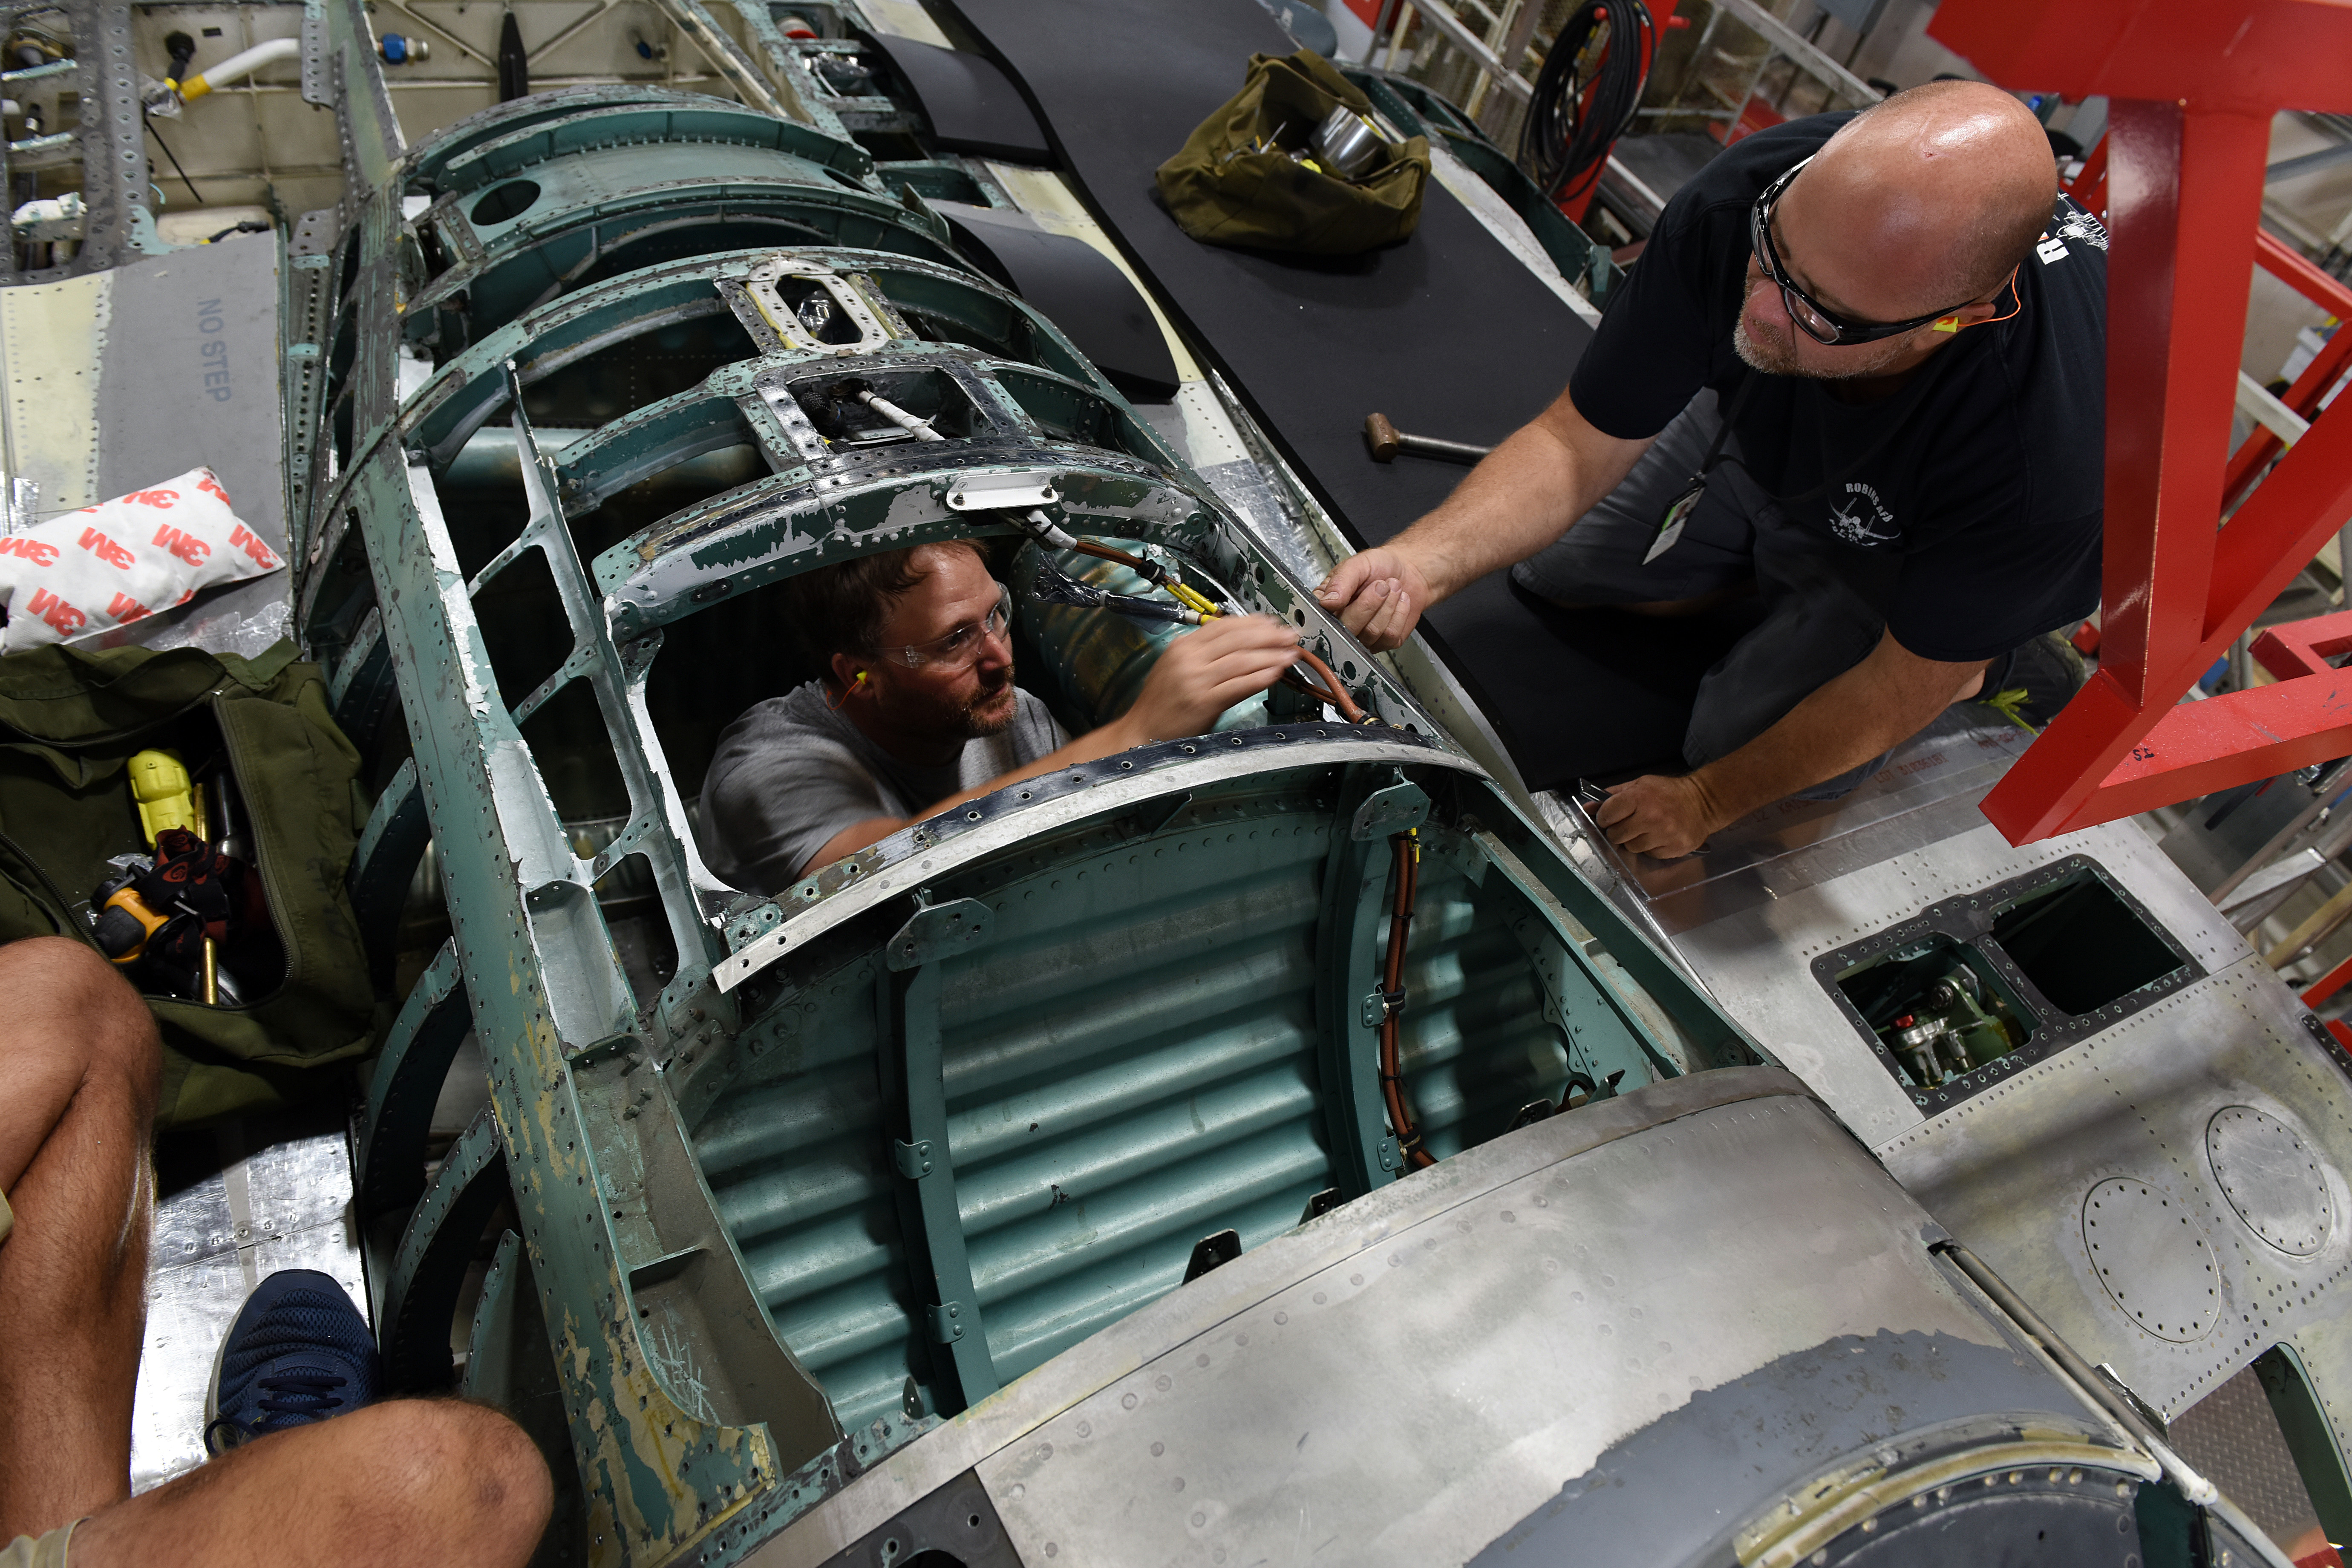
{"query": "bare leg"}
{"type": "Point", "coordinates": [78, 1065]}
{"type": "Point", "coordinates": [408, 1481]}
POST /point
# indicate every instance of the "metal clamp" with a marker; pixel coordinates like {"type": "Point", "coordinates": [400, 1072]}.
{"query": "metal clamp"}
{"type": "Point", "coordinates": [947, 1322]}
{"type": "Point", "coordinates": [913, 1159]}
{"type": "Point", "coordinates": [1002, 492]}
{"type": "Point", "coordinates": [1380, 1006]}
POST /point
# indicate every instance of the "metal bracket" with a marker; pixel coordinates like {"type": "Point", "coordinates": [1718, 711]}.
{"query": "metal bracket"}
{"type": "Point", "coordinates": [914, 1160]}
{"type": "Point", "coordinates": [1389, 1159]}
{"type": "Point", "coordinates": [317, 82]}
{"type": "Point", "coordinates": [1213, 1252]}
{"type": "Point", "coordinates": [1002, 492]}
{"type": "Point", "coordinates": [936, 931]}
{"type": "Point", "coordinates": [1378, 1005]}
{"type": "Point", "coordinates": [1386, 812]}
{"type": "Point", "coordinates": [1154, 814]}
{"type": "Point", "coordinates": [947, 1322]}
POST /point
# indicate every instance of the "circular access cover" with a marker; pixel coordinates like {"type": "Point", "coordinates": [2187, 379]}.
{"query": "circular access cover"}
{"type": "Point", "coordinates": [2154, 1261]}
{"type": "Point", "coordinates": [2271, 1178]}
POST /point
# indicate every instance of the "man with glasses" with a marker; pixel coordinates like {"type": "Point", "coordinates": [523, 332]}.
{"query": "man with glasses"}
{"type": "Point", "coordinates": [1859, 370]}
{"type": "Point", "coordinates": [917, 711]}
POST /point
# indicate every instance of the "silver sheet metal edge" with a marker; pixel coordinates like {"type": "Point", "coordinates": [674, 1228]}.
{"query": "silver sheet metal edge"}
{"type": "Point", "coordinates": [893, 874]}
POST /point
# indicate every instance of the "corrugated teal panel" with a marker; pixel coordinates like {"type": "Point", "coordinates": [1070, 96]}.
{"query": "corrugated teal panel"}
{"type": "Point", "coordinates": [1134, 1246]}
{"type": "Point", "coordinates": [1473, 1044]}
{"type": "Point", "coordinates": [1130, 1064]}
{"type": "Point", "coordinates": [1131, 1067]}
{"type": "Point", "coordinates": [795, 1157]}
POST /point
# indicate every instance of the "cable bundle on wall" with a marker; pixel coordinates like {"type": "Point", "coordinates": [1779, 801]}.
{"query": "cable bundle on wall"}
{"type": "Point", "coordinates": [1582, 106]}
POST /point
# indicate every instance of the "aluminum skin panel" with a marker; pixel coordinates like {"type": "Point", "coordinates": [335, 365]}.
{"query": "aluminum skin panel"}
{"type": "Point", "coordinates": [1624, 1265]}
{"type": "Point", "coordinates": [2008, 1173]}
{"type": "Point", "coordinates": [1756, 959]}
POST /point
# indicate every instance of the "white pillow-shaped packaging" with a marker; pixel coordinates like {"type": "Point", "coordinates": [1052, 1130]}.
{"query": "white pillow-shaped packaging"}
{"type": "Point", "coordinates": [109, 564]}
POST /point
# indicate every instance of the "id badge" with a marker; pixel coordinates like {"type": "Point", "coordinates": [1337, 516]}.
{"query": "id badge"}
{"type": "Point", "coordinates": [1670, 523]}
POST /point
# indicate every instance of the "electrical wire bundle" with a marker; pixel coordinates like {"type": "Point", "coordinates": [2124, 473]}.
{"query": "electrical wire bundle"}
{"type": "Point", "coordinates": [1586, 95]}
{"type": "Point", "coordinates": [1057, 587]}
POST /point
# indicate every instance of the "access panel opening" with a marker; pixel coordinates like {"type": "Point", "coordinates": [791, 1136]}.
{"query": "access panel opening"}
{"type": "Point", "coordinates": [1939, 1009]}
{"type": "Point", "coordinates": [2081, 945]}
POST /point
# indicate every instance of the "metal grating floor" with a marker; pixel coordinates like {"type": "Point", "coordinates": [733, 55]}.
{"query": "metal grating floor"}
{"type": "Point", "coordinates": [2231, 1437]}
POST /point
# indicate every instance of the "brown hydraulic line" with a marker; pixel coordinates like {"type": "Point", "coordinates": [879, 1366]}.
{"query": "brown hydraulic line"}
{"type": "Point", "coordinates": [1408, 869]}
{"type": "Point", "coordinates": [1386, 441]}
{"type": "Point", "coordinates": [1332, 690]}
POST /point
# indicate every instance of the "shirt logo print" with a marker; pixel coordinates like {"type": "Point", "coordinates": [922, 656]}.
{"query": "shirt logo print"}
{"type": "Point", "coordinates": [1861, 518]}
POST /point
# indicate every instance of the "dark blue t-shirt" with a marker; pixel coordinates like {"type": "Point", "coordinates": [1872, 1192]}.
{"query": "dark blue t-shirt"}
{"type": "Point", "coordinates": [1969, 503]}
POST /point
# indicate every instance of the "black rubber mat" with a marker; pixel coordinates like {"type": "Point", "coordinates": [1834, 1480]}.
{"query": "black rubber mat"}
{"type": "Point", "coordinates": [971, 106]}
{"type": "Point", "coordinates": [1448, 334]}
{"type": "Point", "coordinates": [1079, 288]}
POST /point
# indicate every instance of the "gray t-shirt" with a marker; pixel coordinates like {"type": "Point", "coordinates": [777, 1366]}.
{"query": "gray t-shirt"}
{"type": "Point", "coordinates": [791, 772]}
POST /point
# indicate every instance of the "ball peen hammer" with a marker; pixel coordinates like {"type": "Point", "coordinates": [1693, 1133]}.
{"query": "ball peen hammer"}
{"type": "Point", "coordinates": [1386, 441]}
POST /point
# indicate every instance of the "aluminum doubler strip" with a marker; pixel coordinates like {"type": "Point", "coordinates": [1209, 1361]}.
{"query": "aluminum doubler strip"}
{"type": "Point", "coordinates": [916, 854]}
{"type": "Point", "coordinates": [1656, 1363]}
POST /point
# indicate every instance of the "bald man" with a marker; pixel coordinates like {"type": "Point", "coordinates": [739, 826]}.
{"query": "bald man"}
{"type": "Point", "coordinates": [1866, 355]}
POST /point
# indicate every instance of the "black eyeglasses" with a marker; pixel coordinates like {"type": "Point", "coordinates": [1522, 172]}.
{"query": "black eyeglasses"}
{"type": "Point", "coordinates": [1825, 327]}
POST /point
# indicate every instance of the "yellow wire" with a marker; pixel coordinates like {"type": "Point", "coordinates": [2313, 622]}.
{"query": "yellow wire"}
{"type": "Point", "coordinates": [1192, 600]}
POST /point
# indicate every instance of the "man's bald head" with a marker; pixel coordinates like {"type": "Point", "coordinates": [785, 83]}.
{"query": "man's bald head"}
{"type": "Point", "coordinates": [1948, 184]}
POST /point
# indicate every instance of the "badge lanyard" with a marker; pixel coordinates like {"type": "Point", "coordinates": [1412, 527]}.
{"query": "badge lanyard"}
{"type": "Point", "coordinates": [1679, 510]}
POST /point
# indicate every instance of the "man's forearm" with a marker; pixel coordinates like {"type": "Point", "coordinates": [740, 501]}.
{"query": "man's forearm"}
{"type": "Point", "coordinates": [1521, 499]}
{"type": "Point", "coordinates": [1096, 744]}
{"type": "Point", "coordinates": [1869, 709]}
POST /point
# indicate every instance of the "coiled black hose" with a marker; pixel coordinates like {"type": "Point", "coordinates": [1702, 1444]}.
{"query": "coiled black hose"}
{"type": "Point", "coordinates": [1565, 141]}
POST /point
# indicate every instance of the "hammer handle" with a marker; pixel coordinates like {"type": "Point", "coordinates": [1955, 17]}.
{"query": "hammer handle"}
{"type": "Point", "coordinates": [1386, 441]}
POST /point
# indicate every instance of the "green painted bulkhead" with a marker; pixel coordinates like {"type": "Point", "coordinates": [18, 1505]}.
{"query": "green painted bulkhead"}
{"type": "Point", "coordinates": [871, 1148]}
{"type": "Point", "coordinates": [1134, 1057]}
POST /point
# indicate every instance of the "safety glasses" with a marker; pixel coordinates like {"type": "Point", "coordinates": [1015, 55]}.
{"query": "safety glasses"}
{"type": "Point", "coordinates": [1824, 326]}
{"type": "Point", "coordinates": [958, 649]}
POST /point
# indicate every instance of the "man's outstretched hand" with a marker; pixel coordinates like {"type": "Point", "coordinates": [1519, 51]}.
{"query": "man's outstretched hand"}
{"type": "Point", "coordinates": [1206, 671]}
{"type": "Point", "coordinates": [1658, 816]}
{"type": "Point", "coordinates": [1379, 595]}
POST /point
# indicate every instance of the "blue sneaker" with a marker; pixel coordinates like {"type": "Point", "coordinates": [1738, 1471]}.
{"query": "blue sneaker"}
{"type": "Point", "coordinates": [299, 1353]}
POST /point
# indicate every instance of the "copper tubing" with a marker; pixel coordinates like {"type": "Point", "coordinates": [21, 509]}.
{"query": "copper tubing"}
{"type": "Point", "coordinates": [1408, 870]}
{"type": "Point", "coordinates": [1333, 690]}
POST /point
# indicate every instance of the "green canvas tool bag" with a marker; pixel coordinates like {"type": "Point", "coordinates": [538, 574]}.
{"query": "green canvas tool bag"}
{"type": "Point", "coordinates": [1223, 191]}
{"type": "Point", "coordinates": [69, 721]}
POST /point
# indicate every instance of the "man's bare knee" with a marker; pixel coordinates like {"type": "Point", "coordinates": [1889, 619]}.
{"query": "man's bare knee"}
{"type": "Point", "coordinates": [81, 1006]}
{"type": "Point", "coordinates": [469, 1468]}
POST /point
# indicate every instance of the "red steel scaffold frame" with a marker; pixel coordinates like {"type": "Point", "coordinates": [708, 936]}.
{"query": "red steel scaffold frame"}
{"type": "Point", "coordinates": [2193, 89]}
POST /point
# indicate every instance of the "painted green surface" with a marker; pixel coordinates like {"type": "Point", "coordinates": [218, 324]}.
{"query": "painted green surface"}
{"type": "Point", "coordinates": [1016, 1063]}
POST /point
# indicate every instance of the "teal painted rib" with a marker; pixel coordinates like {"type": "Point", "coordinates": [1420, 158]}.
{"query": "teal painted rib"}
{"type": "Point", "coordinates": [947, 1304]}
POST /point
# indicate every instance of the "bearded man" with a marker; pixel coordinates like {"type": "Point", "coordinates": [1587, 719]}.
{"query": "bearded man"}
{"type": "Point", "coordinates": [1859, 370]}
{"type": "Point", "coordinates": [917, 711]}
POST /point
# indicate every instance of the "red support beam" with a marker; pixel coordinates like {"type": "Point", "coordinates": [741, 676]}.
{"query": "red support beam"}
{"type": "Point", "coordinates": [2292, 269]}
{"type": "Point", "coordinates": [2193, 90]}
{"type": "Point", "coordinates": [2326, 368]}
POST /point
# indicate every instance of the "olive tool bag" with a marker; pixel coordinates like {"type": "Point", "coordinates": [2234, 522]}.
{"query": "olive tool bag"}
{"type": "Point", "coordinates": [1248, 175]}
{"type": "Point", "coordinates": [71, 721]}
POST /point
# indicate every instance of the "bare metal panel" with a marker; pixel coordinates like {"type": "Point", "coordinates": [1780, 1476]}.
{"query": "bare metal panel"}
{"type": "Point", "coordinates": [283, 1207]}
{"type": "Point", "coordinates": [2011, 1171]}
{"type": "Point", "coordinates": [1755, 958]}
{"type": "Point", "coordinates": [1503, 1323]}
